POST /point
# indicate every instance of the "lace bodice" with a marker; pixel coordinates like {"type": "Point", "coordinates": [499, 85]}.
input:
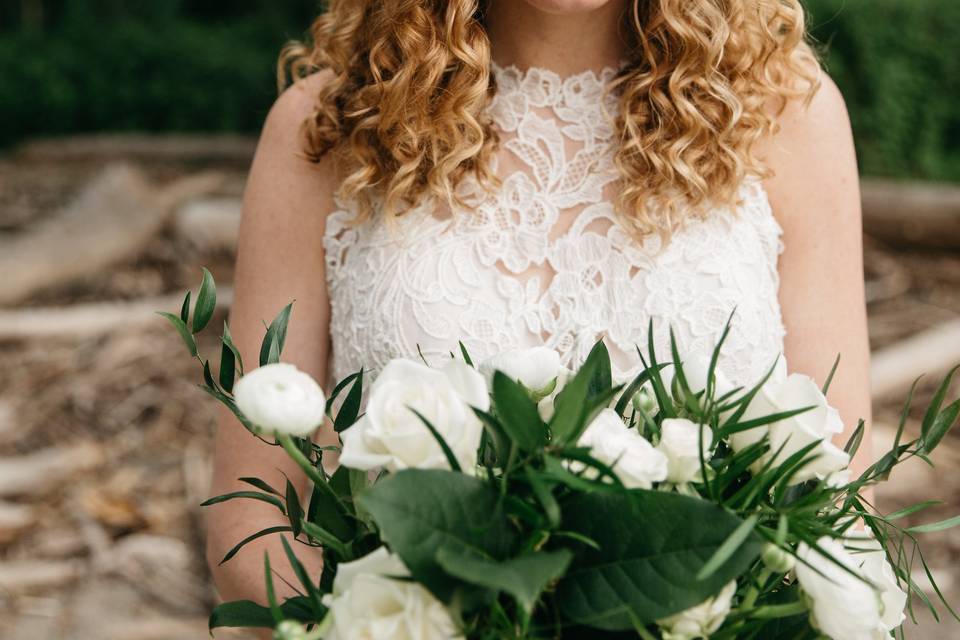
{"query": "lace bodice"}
{"type": "Point", "coordinates": [543, 260]}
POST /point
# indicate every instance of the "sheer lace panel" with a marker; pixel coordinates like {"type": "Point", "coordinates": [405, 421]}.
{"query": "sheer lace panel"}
{"type": "Point", "coordinates": [543, 260]}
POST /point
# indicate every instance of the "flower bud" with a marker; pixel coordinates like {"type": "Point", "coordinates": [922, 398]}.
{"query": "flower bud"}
{"type": "Point", "coordinates": [777, 559]}
{"type": "Point", "coordinates": [289, 630]}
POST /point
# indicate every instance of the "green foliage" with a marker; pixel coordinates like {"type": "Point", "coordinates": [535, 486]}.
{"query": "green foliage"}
{"type": "Point", "coordinates": [896, 63]}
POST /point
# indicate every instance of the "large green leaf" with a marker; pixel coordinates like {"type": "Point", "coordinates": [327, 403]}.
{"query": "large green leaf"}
{"type": "Point", "coordinates": [206, 302]}
{"type": "Point", "coordinates": [524, 577]}
{"type": "Point", "coordinates": [651, 546]}
{"type": "Point", "coordinates": [421, 511]}
{"type": "Point", "coordinates": [246, 613]}
{"type": "Point", "coordinates": [518, 414]}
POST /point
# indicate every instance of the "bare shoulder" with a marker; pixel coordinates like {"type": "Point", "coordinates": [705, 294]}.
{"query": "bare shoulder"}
{"type": "Point", "coordinates": [814, 162]}
{"type": "Point", "coordinates": [284, 185]}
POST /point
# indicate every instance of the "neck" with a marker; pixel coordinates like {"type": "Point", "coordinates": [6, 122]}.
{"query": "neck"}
{"type": "Point", "coordinates": [568, 43]}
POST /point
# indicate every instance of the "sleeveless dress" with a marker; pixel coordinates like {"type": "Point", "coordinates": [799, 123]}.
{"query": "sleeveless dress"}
{"type": "Point", "coordinates": [544, 261]}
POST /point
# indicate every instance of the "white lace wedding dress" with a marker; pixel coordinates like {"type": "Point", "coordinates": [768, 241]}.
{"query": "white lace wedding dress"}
{"type": "Point", "coordinates": [543, 260]}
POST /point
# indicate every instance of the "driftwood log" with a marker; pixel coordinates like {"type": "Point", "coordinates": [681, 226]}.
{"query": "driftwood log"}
{"type": "Point", "coordinates": [929, 353]}
{"type": "Point", "coordinates": [111, 220]}
{"type": "Point", "coordinates": [912, 214]}
{"type": "Point", "coordinates": [88, 319]}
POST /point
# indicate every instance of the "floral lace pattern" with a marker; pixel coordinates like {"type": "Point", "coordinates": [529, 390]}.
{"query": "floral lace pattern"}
{"type": "Point", "coordinates": [543, 260]}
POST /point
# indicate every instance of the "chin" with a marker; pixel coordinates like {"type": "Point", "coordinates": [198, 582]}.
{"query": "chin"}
{"type": "Point", "coordinates": [568, 6]}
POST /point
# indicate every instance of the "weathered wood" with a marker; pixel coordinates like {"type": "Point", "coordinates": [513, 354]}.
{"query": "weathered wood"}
{"type": "Point", "coordinates": [917, 214]}
{"type": "Point", "coordinates": [41, 471]}
{"type": "Point", "coordinates": [111, 220]}
{"type": "Point", "coordinates": [84, 320]}
{"type": "Point", "coordinates": [209, 224]}
{"type": "Point", "coordinates": [930, 353]}
{"type": "Point", "coordinates": [140, 147]}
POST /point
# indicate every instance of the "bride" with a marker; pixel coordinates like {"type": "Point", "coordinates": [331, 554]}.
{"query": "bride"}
{"type": "Point", "coordinates": [512, 173]}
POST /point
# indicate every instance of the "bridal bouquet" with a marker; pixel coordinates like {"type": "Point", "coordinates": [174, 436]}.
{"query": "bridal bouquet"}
{"type": "Point", "coordinates": [513, 498]}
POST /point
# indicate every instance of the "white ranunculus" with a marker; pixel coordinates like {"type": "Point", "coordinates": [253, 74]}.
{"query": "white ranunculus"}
{"type": "Point", "coordinates": [842, 606]}
{"type": "Point", "coordinates": [680, 442]}
{"type": "Point", "coordinates": [819, 424]}
{"type": "Point", "coordinates": [635, 461]}
{"type": "Point", "coordinates": [699, 621]}
{"type": "Point", "coordinates": [390, 435]}
{"type": "Point", "coordinates": [369, 602]}
{"type": "Point", "coordinates": [536, 368]}
{"type": "Point", "coordinates": [280, 399]}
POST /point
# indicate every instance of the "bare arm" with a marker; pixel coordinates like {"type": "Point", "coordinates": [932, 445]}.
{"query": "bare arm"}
{"type": "Point", "coordinates": [816, 197]}
{"type": "Point", "coordinates": [279, 259]}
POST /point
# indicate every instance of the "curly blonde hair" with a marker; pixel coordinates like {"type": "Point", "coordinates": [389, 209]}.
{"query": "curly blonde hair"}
{"type": "Point", "coordinates": [404, 112]}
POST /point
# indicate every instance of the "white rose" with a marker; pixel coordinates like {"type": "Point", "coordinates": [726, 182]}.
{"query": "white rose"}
{"type": "Point", "coordinates": [695, 369]}
{"type": "Point", "coordinates": [635, 461]}
{"type": "Point", "coordinates": [536, 368]}
{"type": "Point", "coordinates": [680, 442]}
{"type": "Point", "coordinates": [842, 606]}
{"type": "Point", "coordinates": [819, 424]}
{"type": "Point", "coordinates": [279, 398]}
{"type": "Point", "coordinates": [702, 620]}
{"type": "Point", "coordinates": [368, 602]}
{"type": "Point", "coordinates": [390, 435]}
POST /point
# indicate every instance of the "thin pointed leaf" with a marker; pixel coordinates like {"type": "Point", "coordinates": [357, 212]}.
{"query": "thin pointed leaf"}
{"type": "Point", "coordinates": [294, 509]}
{"type": "Point", "coordinates": [260, 484]}
{"type": "Point", "coordinates": [206, 302]}
{"type": "Point", "coordinates": [302, 576]}
{"type": "Point", "coordinates": [228, 369]}
{"type": "Point", "coordinates": [517, 413]}
{"type": "Point", "coordinates": [466, 355]}
{"type": "Point", "coordinates": [730, 546]}
{"type": "Point", "coordinates": [182, 329]}
{"type": "Point", "coordinates": [447, 451]}
{"type": "Point", "coordinates": [932, 527]}
{"type": "Point", "coordinates": [272, 345]}
{"type": "Point", "coordinates": [934, 409]}
{"type": "Point", "coordinates": [351, 405]}
{"type": "Point", "coordinates": [251, 495]}
{"type": "Point", "coordinates": [185, 308]}
{"type": "Point", "coordinates": [251, 538]}
{"type": "Point", "coordinates": [275, 611]}
{"type": "Point", "coordinates": [833, 371]}
{"type": "Point", "coordinates": [944, 421]}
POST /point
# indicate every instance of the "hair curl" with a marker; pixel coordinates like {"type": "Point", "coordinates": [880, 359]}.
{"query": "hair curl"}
{"type": "Point", "coordinates": [404, 110]}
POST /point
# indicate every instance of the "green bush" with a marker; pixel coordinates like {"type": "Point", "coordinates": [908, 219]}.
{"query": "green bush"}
{"type": "Point", "coordinates": [191, 65]}
{"type": "Point", "coordinates": [898, 66]}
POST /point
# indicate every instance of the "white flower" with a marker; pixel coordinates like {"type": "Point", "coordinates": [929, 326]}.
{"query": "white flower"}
{"type": "Point", "coordinates": [279, 398]}
{"type": "Point", "coordinates": [390, 435]}
{"type": "Point", "coordinates": [536, 368]}
{"type": "Point", "coordinates": [699, 621]}
{"type": "Point", "coordinates": [842, 606]}
{"type": "Point", "coordinates": [680, 441]}
{"type": "Point", "coordinates": [635, 461]}
{"type": "Point", "coordinates": [369, 603]}
{"type": "Point", "coordinates": [819, 424]}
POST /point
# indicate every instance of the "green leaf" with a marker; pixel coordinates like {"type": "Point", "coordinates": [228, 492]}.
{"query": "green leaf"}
{"type": "Point", "coordinates": [517, 413]}
{"type": "Point", "coordinates": [466, 355]}
{"type": "Point", "coordinates": [944, 421]}
{"type": "Point", "coordinates": [420, 511]}
{"type": "Point", "coordinates": [228, 341]}
{"type": "Point", "coordinates": [182, 329]}
{"type": "Point", "coordinates": [524, 577]}
{"type": "Point", "coordinates": [206, 302]}
{"type": "Point", "coordinates": [260, 484]}
{"type": "Point", "coordinates": [447, 451]}
{"type": "Point", "coordinates": [907, 511]}
{"type": "Point", "coordinates": [272, 345]}
{"type": "Point", "coordinates": [246, 613]}
{"type": "Point", "coordinates": [649, 555]}
{"type": "Point", "coordinates": [350, 408]}
{"type": "Point", "coordinates": [271, 595]}
{"type": "Point", "coordinates": [728, 548]}
{"type": "Point", "coordinates": [312, 593]}
{"type": "Point", "coordinates": [185, 308]}
{"type": "Point", "coordinates": [228, 367]}
{"type": "Point", "coordinates": [295, 511]}
{"type": "Point", "coordinates": [934, 409]}
{"type": "Point", "coordinates": [251, 538]}
{"type": "Point", "coordinates": [833, 372]}
{"type": "Point", "coordinates": [602, 378]}
{"type": "Point", "coordinates": [253, 495]}
{"type": "Point", "coordinates": [544, 496]}
{"type": "Point", "coordinates": [340, 386]}
{"type": "Point", "coordinates": [853, 444]}
{"type": "Point", "coordinates": [936, 526]}
{"type": "Point", "coordinates": [327, 539]}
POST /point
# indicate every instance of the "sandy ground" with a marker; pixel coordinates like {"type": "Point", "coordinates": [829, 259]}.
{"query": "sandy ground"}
{"type": "Point", "coordinates": [111, 546]}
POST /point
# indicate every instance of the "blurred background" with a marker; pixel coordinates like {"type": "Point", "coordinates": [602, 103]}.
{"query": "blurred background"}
{"type": "Point", "coordinates": [126, 131]}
